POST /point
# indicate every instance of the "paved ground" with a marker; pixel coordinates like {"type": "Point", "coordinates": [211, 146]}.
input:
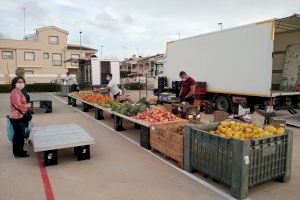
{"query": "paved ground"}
{"type": "Point", "coordinates": [118, 169]}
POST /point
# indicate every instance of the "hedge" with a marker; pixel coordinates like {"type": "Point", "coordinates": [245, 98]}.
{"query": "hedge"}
{"type": "Point", "coordinates": [134, 86]}
{"type": "Point", "coordinates": [124, 74]}
{"type": "Point", "coordinates": [36, 87]}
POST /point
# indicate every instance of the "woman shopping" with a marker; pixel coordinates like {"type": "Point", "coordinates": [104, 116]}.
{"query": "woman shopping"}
{"type": "Point", "coordinates": [19, 109]}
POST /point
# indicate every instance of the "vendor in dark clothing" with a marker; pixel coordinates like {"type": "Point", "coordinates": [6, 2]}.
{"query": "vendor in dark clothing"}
{"type": "Point", "coordinates": [188, 87]}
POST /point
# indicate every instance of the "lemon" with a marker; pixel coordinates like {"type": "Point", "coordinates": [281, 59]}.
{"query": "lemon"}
{"type": "Point", "coordinates": [280, 131]}
{"type": "Point", "coordinates": [223, 130]}
{"type": "Point", "coordinates": [266, 134]}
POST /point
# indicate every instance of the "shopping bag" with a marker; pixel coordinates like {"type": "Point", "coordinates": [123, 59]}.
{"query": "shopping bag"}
{"type": "Point", "coordinates": [28, 129]}
{"type": "Point", "coordinates": [9, 129]}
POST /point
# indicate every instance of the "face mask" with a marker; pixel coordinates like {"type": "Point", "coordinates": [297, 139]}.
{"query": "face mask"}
{"type": "Point", "coordinates": [107, 78]}
{"type": "Point", "coordinates": [20, 86]}
{"type": "Point", "coordinates": [184, 79]}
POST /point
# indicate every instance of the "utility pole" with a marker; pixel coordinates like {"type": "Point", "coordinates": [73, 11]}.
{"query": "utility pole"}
{"type": "Point", "coordinates": [24, 11]}
{"type": "Point", "coordinates": [80, 41]}
{"type": "Point", "coordinates": [101, 50]}
{"type": "Point", "coordinates": [221, 25]}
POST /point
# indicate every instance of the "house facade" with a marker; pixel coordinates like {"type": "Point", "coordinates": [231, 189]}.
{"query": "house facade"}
{"type": "Point", "coordinates": [141, 65]}
{"type": "Point", "coordinates": [44, 55]}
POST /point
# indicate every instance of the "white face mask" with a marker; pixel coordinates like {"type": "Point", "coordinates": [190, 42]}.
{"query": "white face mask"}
{"type": "Point", "coordinates": [108, 78]}
{"type": "Point", "coordinates": [20, 86]}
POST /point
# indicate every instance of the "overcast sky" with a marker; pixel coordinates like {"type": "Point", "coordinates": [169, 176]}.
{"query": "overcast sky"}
{"type": "Point", "coordinates": [142, 27]}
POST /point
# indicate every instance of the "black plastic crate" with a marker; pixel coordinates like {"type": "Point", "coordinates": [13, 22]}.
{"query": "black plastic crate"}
{"type": "Point", "coordinates": [239, 164]}
{"type": "Point", "coordinates": [41, 106]}
{"type": "Point", "coordinates": [50, 157]}
{"type": "Point", "coordinates": [82, 152]}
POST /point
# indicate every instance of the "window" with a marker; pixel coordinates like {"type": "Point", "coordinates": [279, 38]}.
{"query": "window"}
{"type": "Point", "coordinates": [28, 55]}
{"type": "Point", "coordinates": [57, 59]}
{"type": "Point", "coordinates": [7, 55]}
{"type": "Point", "coordinates": [46, 55]}
{"type": "Point", "coordinates": [53, 40]}
{"type": "Point", "coordinates": [75, 57]}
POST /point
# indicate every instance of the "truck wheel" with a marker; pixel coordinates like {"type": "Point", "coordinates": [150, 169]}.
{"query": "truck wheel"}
{"type": "Point", "coordinates": [222, 103]}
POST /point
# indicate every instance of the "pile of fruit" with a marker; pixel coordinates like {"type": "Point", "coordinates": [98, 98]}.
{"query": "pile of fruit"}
{"type": "Point", "coordinates": [237, 130]}
{"type": "Point", "coordinates": [96, 98]}
{"type": "Point", "coordinates": [81, 94]}
{"type": "Point", "coordinates": [157, 116]}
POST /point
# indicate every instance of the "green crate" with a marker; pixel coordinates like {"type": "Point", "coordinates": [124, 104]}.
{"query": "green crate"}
{"type": "Point", "coordinates": [239, 164]}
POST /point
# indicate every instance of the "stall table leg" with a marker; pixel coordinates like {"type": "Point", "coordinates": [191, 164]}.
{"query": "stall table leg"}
{"type": "Point", "coordinates": [137, 126]}
{"type": "Point", "coordinates": [99, 114]}
{"type": "Point", "coordinates": [69, 100]}
{"type": "Point", "coordinates": [73, 102]}
{"type": "Point", "coordinates": [85, 107]}
{"type": "Point", "coordinates": [118, 123]}
{"type": "Point", "coordinates": [145, 137]}
{"type": "Point", "coordinates": [50, 157]}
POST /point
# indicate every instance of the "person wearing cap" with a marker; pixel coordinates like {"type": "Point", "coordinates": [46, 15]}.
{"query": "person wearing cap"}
{"type": "Point", "coordinates": [188, 87]}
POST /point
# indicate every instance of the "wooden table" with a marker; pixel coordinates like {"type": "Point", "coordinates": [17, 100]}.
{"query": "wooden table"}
{"type": "Point", "coordinates": [49, 139]}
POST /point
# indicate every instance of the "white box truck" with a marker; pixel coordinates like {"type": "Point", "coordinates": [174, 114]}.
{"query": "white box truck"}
{"type": "Point", "coordinates": [92, 72]}
{"type": "Point", "coordinates": [257, 62]}
{"type": "Point", "coordinates": [101, 67]}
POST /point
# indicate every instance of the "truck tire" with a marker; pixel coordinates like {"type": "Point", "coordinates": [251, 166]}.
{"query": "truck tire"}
{"type": "Point", "coordinates": [222, 103]}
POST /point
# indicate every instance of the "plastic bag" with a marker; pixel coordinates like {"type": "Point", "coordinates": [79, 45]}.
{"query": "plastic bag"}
{"type": "Point", "coordinates": [10, 129]}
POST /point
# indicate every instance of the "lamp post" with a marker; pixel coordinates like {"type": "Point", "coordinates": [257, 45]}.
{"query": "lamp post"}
{"type": "Point", "coordinates": [221, 25]}
{"type": "Point", "coordinates": [80, 32]}
{"type": "Point", "coordinates": [101, 50]}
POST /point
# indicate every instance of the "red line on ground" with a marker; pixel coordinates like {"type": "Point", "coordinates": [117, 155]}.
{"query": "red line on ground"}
{"type": "Point", "coordinates": [45, 178]}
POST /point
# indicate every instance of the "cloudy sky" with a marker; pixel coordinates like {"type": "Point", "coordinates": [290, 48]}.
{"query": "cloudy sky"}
{"type": "Point", "coordinates": [126, 27]}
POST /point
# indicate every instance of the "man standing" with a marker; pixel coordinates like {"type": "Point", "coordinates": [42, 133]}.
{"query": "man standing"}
{"type": "Point", "coordinates": [112, 86]}
{"type": "Point", "coordinates": [188, 87]}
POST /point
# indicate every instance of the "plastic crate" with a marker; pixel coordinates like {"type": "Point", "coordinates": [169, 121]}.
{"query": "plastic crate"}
{"type": "Point", "coordinates": [41, 105]}
{"type": "Point", "coordinates": [239, 164]}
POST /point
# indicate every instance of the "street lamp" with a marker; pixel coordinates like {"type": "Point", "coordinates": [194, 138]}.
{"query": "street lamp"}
{"type": "Point", "coordinates": [221, 25]}
{"type": "Point", "coordinates": [101, 50]}
{"type": "Point", "coordinates": [80, 40]}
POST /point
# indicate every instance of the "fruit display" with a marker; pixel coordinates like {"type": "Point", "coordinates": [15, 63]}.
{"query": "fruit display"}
{"type": "Point", "coordinates": [237, 130]}
{"type": "Point", "coordinates": [157, 116]}
{"type": "Point", "coordinates": [96, 98]}
{"type": "Point", "coordinates": [82, 94]}
{"type": "Point", "coordinates": [130, 109]}
{"type": "Point", "coordinates": [152, 101]}
{"type": "Point", "coordinates": [91, 97]}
